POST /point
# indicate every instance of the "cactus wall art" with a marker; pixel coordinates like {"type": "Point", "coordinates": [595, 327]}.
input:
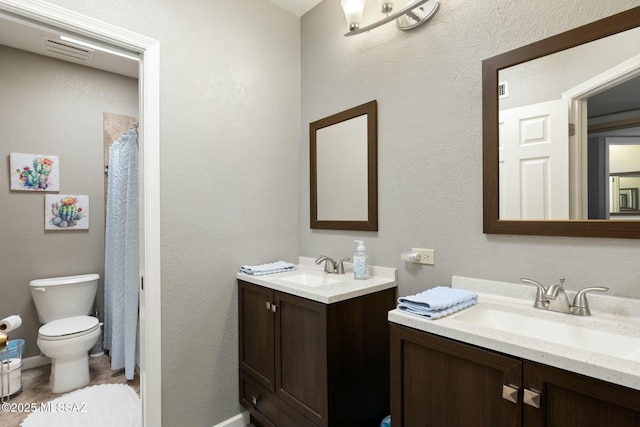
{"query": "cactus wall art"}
{"type": "Point", "coordinates": [34, 172]}
{"type": "Point", "coordinates": [66, 212]}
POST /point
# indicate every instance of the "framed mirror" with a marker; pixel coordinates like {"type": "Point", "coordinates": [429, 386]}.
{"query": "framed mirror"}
{"type": "Point", "coordinates": [344, 170]}
{"type": "Point", "coordinates": [546, 133]}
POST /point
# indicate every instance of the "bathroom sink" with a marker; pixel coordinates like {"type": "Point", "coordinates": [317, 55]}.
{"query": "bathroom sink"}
{"type": "Point", "coordinates": [311, 280]}
{"type": "Point", "coordinates": [581, 337]}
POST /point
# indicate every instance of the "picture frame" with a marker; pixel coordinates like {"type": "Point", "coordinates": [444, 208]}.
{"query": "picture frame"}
{"type": "Point", "coordinates": [34, 172]}
{"type": "Point", "coordinates": [66, 212]}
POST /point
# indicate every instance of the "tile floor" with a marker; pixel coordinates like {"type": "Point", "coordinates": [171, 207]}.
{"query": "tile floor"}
{"type": "Point", "coordinates": [35, 386]}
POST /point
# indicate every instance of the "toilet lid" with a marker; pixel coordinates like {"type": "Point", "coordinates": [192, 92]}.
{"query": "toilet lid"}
{"type": "Point", "coordinates": [66, 328]}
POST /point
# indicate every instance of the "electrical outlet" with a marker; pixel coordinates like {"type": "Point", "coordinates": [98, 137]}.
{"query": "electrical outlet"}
{"type": "Point", "coordinates": [427, 256]}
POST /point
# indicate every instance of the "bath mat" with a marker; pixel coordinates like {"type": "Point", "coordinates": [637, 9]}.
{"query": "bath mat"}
{"type": "Point", "coordinates": [103, 405]}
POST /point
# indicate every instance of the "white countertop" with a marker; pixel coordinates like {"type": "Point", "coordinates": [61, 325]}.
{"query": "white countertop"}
{"type": "Point", "coordinates": [380, 278]}
{"type": "Point", "coordinates": [612, 314]}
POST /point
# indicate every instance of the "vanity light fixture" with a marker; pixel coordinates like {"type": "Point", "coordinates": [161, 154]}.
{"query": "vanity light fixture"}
{"type": "Point", "coordinates": [414, 14]}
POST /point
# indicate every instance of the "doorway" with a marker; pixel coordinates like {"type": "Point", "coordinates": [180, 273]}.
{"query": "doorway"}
{"type": "Point", "coordinates": [60, 20]}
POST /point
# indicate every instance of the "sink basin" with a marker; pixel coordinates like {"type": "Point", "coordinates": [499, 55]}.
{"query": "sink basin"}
{"type": "Point", "coordinates": [311, 280]}
{"type": "Point", "coordinates": [580, 337]}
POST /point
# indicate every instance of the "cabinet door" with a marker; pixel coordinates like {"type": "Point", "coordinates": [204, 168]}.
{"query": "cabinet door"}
{"type": "Point", "coordinates": [256, 338]}
{"type": "Point", "coordinates": [439, 382]}
{"type": "Point", "coordinates": [568, 399]}
{"type": "Point", "coordinates": [301, 355]}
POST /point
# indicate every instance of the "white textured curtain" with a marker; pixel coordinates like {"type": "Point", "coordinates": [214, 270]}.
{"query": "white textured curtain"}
{"type": "Point", "coordinates": [122, 254]}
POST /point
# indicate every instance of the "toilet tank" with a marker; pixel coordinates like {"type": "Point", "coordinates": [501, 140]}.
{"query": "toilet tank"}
{"type": "Point", "coordinates": [61, 297]}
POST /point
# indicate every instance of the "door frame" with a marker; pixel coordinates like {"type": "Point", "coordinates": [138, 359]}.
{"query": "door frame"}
{"type": "Point", "coordinates": [65, 20]}
{"type": "Point", "coordinates": [577, 97]}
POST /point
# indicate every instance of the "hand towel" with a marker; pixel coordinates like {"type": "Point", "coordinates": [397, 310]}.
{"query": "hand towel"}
{"type": "Point", "coordinates": [439, 298]}
{"type": "Point", "coordinates": [437, 302]}
{"type": "Point", "coordinates": [436, 314]}
{"type": "Point", "coordinates": [269, 268]}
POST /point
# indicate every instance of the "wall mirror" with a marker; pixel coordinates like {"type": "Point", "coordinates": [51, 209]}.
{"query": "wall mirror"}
{"type": "Point", "coordinates": [344, 170]}
{"type": "Point", "coordinates": [561, 133]}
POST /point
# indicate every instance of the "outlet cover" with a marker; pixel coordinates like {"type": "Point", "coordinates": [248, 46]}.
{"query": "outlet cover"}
{"type": "Point", "coordinates": [427, 256]}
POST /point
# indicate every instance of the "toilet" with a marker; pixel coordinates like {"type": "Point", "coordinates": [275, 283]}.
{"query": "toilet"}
{"type": "Point", "coordinates": [67, 333]}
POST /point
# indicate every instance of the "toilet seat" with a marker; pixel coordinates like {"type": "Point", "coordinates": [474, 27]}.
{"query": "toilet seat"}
{"type": "Point", "coordinates": [63, 329]}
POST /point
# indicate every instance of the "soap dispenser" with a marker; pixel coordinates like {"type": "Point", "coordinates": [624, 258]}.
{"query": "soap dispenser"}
{"type": "Point", "coordinates": [360, 262]}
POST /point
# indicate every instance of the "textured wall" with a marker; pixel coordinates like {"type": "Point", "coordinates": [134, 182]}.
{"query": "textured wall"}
{"type": "Point", "coordinates": [428, 86]}
{"type": "Point", "coordinates": [52, 107]}
{"type": "Point", "coordinates": [229, 136]}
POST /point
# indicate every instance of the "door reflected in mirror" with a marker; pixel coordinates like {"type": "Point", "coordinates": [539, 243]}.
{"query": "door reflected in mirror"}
{"type": "Point", "coordinates": [549, 109]}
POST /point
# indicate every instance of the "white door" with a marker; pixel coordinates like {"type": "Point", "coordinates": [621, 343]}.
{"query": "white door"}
{"type": "Point", "coordinates": [534, 161]}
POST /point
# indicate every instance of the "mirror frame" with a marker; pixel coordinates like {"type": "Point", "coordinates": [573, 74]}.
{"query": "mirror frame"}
{"type": "Point", "coordinates": [492, 224]}
{"type": "Point", "coordinates": [370, 109]}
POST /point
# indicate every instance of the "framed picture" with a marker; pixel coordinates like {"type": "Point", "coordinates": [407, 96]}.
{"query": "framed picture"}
{"type": "Point", "coordinates": [34, 172]}
{"type": "Point", "coordinates": [66, 212]}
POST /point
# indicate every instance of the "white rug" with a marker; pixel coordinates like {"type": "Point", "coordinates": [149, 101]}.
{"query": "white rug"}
{"type": "Point", "coordinates": [104, 405]}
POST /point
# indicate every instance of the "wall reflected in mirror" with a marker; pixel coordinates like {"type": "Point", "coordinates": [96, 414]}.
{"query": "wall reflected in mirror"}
{"type": "Point", "coordinates": [344, 170]}
{"type": "Point", "coordinates": [560, 117]}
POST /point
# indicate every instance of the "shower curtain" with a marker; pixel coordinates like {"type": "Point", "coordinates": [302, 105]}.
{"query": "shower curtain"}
{"type": "Point", "coordinates": [122, 254]}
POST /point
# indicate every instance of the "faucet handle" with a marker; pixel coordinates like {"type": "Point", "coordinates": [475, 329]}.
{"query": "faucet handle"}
{"type": "Point", "coordinates": [329, 264]}
{"type": "Point", "coordinates": [541, 299]}
{"type": "Point", "coordinates": [580, 304]}
{"type": "Point", "coordinates": [341, 265]}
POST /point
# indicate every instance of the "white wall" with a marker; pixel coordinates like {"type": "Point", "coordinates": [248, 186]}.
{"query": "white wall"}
{"type": "Point", "coordinates": [547, 78]}
{"type": "Point", "coordinates": [52, 107]}
{"type": "Point", "coordinates": [428, 86]}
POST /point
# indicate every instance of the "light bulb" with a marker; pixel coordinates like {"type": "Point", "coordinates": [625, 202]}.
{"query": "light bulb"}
{"type": "Point", "coordinates": [353, 12]}
{"type": "Point", "coordinates": [386, 6]}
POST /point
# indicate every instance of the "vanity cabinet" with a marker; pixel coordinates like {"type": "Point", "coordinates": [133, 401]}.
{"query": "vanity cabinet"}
{"type": "Point", "coordinates": [305, 363]}
{"type": "Point", "coordinates": [437, 381]}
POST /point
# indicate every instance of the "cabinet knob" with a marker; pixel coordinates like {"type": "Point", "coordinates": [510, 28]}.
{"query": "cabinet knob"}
{"type": "Point", "coordinates": [510, 393]}
{"type": "Point", "coordinates": [254, 400]}
{"type": "Point", "coordinates": [274, 308]}
{"type": "Point", "coordinates": [268, 304]}
{"type": "Point", "coordinates": [531, 398]}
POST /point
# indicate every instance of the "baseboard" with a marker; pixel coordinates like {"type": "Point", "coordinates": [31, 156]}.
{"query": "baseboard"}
{"type": "Point", "coordinates": [35, 361]}
{"type": "Point", "coordinates": [240, 420]}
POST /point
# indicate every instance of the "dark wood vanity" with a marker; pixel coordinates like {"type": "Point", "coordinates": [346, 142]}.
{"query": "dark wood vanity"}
{"type": "Point", "coordinates": [437, 381]}
{"type": "Point", "coordinates": [305, 363]}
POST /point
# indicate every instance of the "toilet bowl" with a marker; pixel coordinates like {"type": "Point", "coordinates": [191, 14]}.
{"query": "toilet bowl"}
{"type": "Point", "coordinates": [66, 342]}
{"type": "Point", "coordinates": [68, 333]}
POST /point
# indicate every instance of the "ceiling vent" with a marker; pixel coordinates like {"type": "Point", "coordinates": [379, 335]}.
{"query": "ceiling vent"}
{"type": "Point", "coordinates": [503, 89]}
{"type": "Point", "coordinates": [65, 50]}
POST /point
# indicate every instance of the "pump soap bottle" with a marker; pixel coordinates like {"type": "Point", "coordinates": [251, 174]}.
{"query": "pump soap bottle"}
{"type": "Point", "coordinates": [360, 262]}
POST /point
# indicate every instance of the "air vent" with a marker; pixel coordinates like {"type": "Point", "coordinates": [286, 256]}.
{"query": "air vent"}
{"type": "Point", "coordinates": [503, 89]}
{"type": "Point", "coordinates": [65, 50]}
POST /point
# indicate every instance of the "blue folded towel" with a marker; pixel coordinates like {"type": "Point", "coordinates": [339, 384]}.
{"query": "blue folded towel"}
{"type": "Point", "coordinates": [269, 268]}
{"type": "Point", "coordinates": [437, 302]}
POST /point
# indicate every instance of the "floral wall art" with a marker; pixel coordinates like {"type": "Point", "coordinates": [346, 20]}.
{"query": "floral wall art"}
{"type": "Point", "coordinates": [65, 212]}
{"type": "Point", "coordinates": [34, 172]}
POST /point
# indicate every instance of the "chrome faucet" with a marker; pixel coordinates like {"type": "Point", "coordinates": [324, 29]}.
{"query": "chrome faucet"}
{"type": "Point", "coordinates": [557, 297]}
{"type": "Point", "coordinates": [554, 298]}
{"type": "Point", "coordinates": [330, 266]}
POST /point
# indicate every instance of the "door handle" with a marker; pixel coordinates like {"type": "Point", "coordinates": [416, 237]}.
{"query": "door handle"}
{"type": "Point", "coordinates": [531, 398]}
{"type": "Point", "coordinates": [510, 393]}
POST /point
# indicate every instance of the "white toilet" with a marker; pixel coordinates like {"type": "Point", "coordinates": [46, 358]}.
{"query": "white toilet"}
{"type": "Point", "coordinates": [68, 333]}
